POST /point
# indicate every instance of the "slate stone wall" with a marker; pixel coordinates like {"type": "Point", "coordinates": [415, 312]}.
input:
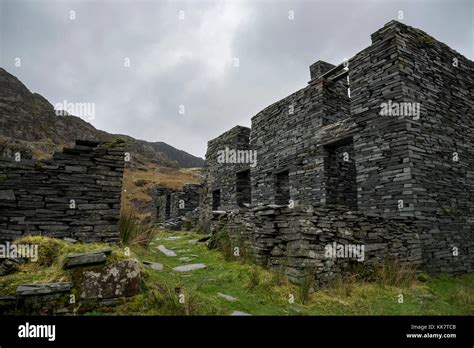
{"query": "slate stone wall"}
{"type": "Point", "coordinates": [185, 200]}
{"type": "Point", "coordinates": [295, 240]}
{"type": "Point", "coordinates": [381, 142]}
{"type": "Point", "coordinates": [411, 158]}
{"type": "Point", "coordinates": [76, 194]}
{"type": "Point", "coordinates": [282, 135]}
{"type": "Point", "coordinates": [162, 203]}
{"type": "Point", "coordinates": [341, 175]}
{"type": "Point", "coordinates": [223, 176]}
{"type": "Point", "coordinates": [172, 203]}
{"type": "Point", "coordinates": [442, 81]}
{"type": "Point", "coordinates": [395, 165]}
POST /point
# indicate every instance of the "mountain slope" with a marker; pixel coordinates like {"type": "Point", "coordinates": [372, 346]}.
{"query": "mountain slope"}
{"type": "Point", "coordinates": [181, 156]}
{"type": "Point", "coordinates": [30, 118]}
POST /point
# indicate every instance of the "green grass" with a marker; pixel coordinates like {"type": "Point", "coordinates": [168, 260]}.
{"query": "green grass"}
{"type": "Point", "coordinates": [51, 258]}
{"type": "Point", "coordinates": [259, 292]}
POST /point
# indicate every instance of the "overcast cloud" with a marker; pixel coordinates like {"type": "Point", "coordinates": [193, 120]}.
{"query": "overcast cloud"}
{"type": "Point", "coordinates": [190, 61]}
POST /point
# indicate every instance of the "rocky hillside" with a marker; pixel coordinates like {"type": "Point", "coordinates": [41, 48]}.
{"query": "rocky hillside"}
{"type": "Point", "coordinates": [183, 158]}
{"type": "Point", "coordinates": [29, 122]}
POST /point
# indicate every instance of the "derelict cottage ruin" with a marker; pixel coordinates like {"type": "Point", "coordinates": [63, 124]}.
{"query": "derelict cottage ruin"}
{"type": "Point", "coordinates": [377, 151]}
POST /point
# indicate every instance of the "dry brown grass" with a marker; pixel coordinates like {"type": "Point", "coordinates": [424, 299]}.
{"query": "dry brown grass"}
{"type": "Point", "coordinates": [154, 175]}
{"type": "Point", "coordinates": [133, 231]}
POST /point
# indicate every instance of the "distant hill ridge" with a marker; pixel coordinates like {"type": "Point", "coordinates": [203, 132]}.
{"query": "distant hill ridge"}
{"type": "Point", "coordinates": [27, 119]}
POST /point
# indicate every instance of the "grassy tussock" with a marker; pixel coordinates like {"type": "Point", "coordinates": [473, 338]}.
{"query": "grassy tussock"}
{"type": "Point", "coordinates": [462, 294]}
{"type": "Point", "coordinates": [279, 277]}
{"type": "Point", "coordinates": [305, 288]}
{"type": "Point", "coordinates": [395, 273]}
{"type": "Point", "coordinates": [133, 231]}
{"type": "Point", "coordinates": [51, 258]}
{"type": "Point", "coordinates": [254, 278]}
{"type": "Point", "coordinates": [231, 250]}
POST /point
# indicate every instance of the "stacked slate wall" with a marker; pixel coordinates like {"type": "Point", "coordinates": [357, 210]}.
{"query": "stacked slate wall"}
{"type": "Point", "coordinates": [172, 203]}
{"type": "Point", "coordinates": [381, 143]}
{"type": "Point", "coordinates": [441, 148]}
{"type": "Point", "coordinates": [76, 194]}
{"type": "Point", "coordinates": [337, 150]}
{"type": "Point", "coordinates": [341, 175]}
{"type": "Point", "coordinates": [285, 136]}
{"type": "Point", "coordinates": [409, 159]}
{"type": "Point", "coordinates": [185, 200]}
{"type": "Point", "coordinates": [297, 239]}
{"type": "Point", "coordinates": [163, 203]}
{"type": "Point", "coordinates": [223, 176]}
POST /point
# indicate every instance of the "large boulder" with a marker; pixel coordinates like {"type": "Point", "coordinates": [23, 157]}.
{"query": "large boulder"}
{"type": "Point", "coordinates": [115, 280]}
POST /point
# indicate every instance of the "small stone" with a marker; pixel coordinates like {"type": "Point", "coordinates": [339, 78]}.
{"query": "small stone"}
{"type": "Point", "coordinates": [85, 259]}
{"type": "Point", "coordinates": [165, 251]}
{"type": "Point", "coordinates": [7, 195]}
{"type": "Point", "coordinates": [239, 313]}
{"type": "Point", "coordinates": [7, 298]}
{"type": "Point", "coordinates": [226, 297]}
{"type": "Point", "coordinates": [157, 266]}
{"type": "Point", "coordinates": [190, 267]}
{"type": "Point", "coordinates": [154, 265]}
{"type": "Point", "coordinates": [42, 289]}
{"type": "Point", "coordinates": [9, 266]}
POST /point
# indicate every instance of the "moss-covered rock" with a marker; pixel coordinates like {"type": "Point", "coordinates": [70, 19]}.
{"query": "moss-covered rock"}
{"type": "Point", "coordinates": [118, 276]}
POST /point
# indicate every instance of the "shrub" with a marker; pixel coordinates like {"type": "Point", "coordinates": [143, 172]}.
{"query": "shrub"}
{"type": "Point", "coordinates": [279, 277]}
{"type": "Point", "coordinates": [343, 284]}
{"type": "Point", "coordinates": [175, 301]}
{"type": "Point", "coordinates": [254, 278]}
{"type": "Point", "coordinates": [305, 287]}
{"type": "Point", "coordinates": [391, 272]}
{"type": "Point", "coordinates": [133, 231]}
{"type": "Point", "coordinates": [221, 241]}
{"type": "Point", "coordinates": [464, 296]}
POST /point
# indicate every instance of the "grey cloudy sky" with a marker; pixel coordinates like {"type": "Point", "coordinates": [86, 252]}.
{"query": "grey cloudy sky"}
{"type": "Point", "coordinates": [190, 61]}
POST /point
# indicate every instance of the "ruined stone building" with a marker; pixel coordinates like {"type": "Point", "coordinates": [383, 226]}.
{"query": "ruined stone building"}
{"type": "Point", "coordinates": [377, 150]}
{"type": "Point", "coordinates": [174, 204]}
{"type": "Point", "coordinates": [76, 194]}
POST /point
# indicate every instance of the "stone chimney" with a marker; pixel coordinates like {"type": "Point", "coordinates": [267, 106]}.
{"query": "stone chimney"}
{"type": "Point", "coordinates": [319, 68]}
